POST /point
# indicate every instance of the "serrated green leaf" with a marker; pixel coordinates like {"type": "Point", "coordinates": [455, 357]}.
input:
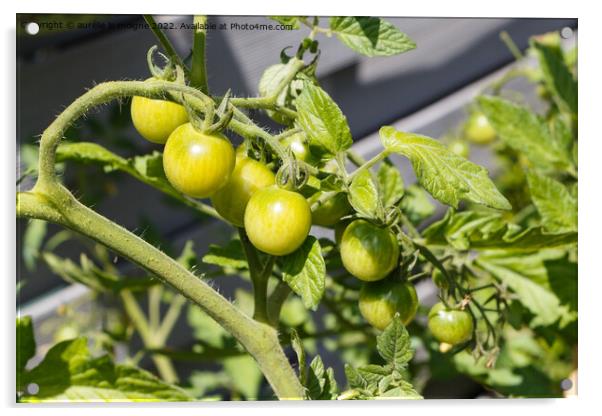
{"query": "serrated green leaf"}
{"type": "Point", "coordinates": [404, 390]}
{"type": "Point", "coordinates": [330, 389]}
{"type": "Point", "coordinates": [315, 378]}
{"type": "Point", "coordinates": [416, 204]}
{"type": "Point", "coordinates": [557, 76]}
{"type": "Point", "coordinates": [489, 231]}
{"type": "Point", "coordinates": [32, 241]}
{"type": "Point", "coordinates": [364, 196]}
{"type": "Point", "coordinates": [371, 36]}
{"type": "Point", "coordinates": [231, 255]}
{"type": "Point", "coordinates": [88, 152]}
{"type": "Point", "coordinates": [445, 175]}
{"type": "Point", "coordinates": [556, 205]}
{"type": "Point", "coordinates": [305, 272]}
{"type": "Point", "coordinates": [287, 20]}
{"type": "Point", "coordinates": [322, 120]}
{"type": "Point", "coordinates": [526, 132]}
{"type": "Point", "coordinates": [26, 346]}
{"type": "Point", "coordinates": [393, 344]}
{"type": "Point", "coordinates": [390, 183]}
{"type": "Point", "coordinates": [70, 373]}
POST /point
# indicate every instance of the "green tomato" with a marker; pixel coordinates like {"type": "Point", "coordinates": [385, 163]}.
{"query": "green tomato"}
{"type": "Point", "coordinates": [198, 164]}
{"type": "Point", "coordinates": [298, 146]}
{"type": "Point", "coordinates": [451, 326]}
{"type": "Point", "coordinates": [329, 212]}
{"type": "Point", "coordinates": [155, 120]}
{"type": "Point", "coordinates": [460, 148]}
{"type": "Point", "coordinates": [478, 130]}
{"type": "Point", "coordinates": [368, 252]}
{"type": "Point", "coordinates": [380, 301]}
{"type": "Point", "coordinates": [277, 221]}
{"type": "Point", "coordinates": [440, 280]}
{"type": "Point", "coordinates": [248, 177]}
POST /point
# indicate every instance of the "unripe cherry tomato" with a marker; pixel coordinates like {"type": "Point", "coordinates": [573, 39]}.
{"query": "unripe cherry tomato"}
{"type": "Point", "coordinates": [478, 130]}
{"type": "Point", "coordinates": [154, 119]}
{"type": "Point", "coordinates": [248, 177]}
{"type": "Point", "coordinates": [380, 301]}
{"type": "Point", "coordinates": [368, 252]}
{"type": "Point", "coordinates": [451, 326]}
{"type": "Point", "coordinates": [277, 221]}
{"type": "Point", "coordinates": [330, 211]}
{"type": "Point", "coordinates": [197, 164]}
{"type": "Point", "coordinates": [440, 280]}
{"type": "Point", "coordinates": [298, 146]}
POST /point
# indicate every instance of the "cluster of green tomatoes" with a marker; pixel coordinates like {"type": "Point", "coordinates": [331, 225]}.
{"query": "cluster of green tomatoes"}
{"type": "Point", "coordinates": [277, 220]}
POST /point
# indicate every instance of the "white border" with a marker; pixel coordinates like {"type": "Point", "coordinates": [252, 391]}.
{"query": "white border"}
{"type": "Point", "coordinates": [590, 195]}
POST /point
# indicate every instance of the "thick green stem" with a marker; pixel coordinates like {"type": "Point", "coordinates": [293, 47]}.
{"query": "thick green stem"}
{"type": "Point", "coordinates": [260, 340]}
{"type": "Point", "coordinates": [382, 155]}
{"type": "Point", "coordinates": [50, 201]}
{"type": "Point", "coordinates": [198, 73]}
{"type": "Point", "coordinates": [258, 278]}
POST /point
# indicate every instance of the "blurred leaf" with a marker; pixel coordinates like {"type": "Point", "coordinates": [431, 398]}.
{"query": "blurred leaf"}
{"type": "Point", "coordinates": [557, 76]}
{"type": "Point", "coordinates": [524, 131]}
{"type": "Point", "coordinates": [231, 255]}
{"type": "Point", "coordinates": [445, 175]}
{"type": "Point", "coordinates": [188, 257]}
{"type": "Point", "coordinates": [305, 272]}
{"type": "Point", "coordinates": [70, 373]}
{"type": "Point", "coordinates": [416, 204]}
{"type": "Point", "coordinates": [390, 183]}
{"type": "Point", "coordinates": [298, 348]}
{"type": "Point", "coordinates": [32, 241]}
{"type": "Point", "coordinates": [26, 346]}
{"type": "Point", "coordinates": [364, 196]}
{"type": "Point", "coordinates": [245, 375]}
{"type": "Point", "coordinates": [478, 230]}
{"type": "Point", "coordinates": [204, 328]}
{"type": "Point", "coordinates": [287, 20]}
{"type": "Point", "coordinates": [557, 207]}
{"type": "Point", "coordinates": [371, 36]}
{"type": "Point", "coordinates": [322, 120]}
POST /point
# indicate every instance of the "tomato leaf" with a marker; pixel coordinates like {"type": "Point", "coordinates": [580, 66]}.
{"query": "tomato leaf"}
{"type": "Point", "coordinates": [245, 375]}
{"type": "Point", "coordinates": [32, 241]}
{"type": "Point", "coordinates": [416, 204]}
{"type": "Point", "coordinates": [556, 205]}
{"type": "Point", "coordinates": [557, 76]}
{"type": "Point", "coordinates": [445, 175]}
{"type": "Point", "coordinates": [269, 83]}
{"type": "Point", "coordinates": [478, 230]}
{"type": "Point", "coordinates": [371, 36]}
{"type": "Point", "coordinates": [529, 277]}
{"type": "Point", "coordinates": [229, 256]}
{"type": "Point", "coordinates": [390, 183]}
{"type": "Point", "coordinates": [322, 120]}
{"type": "Point", "coordinates": [393, 344]}
{"type": "Point", "coordinates": [305, 272]}
{"type": "Point", "coordinates": [26, 346]}
{"type": "Point", "coordinates": [527, 133]}
{"type": "Point", "coordinates": [300, 351]}
{"type": "Point", "coordinates": [69, 373]}
{"type": "Point", "coordinates": [364, 196]}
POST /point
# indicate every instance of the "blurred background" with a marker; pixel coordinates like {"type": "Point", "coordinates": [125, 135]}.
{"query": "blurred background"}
{"type": "Point", "coordinates": [425, 90]}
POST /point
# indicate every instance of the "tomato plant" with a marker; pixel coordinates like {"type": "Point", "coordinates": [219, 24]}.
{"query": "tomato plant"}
{"type": "Point", "coordinates": [499, 253]}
